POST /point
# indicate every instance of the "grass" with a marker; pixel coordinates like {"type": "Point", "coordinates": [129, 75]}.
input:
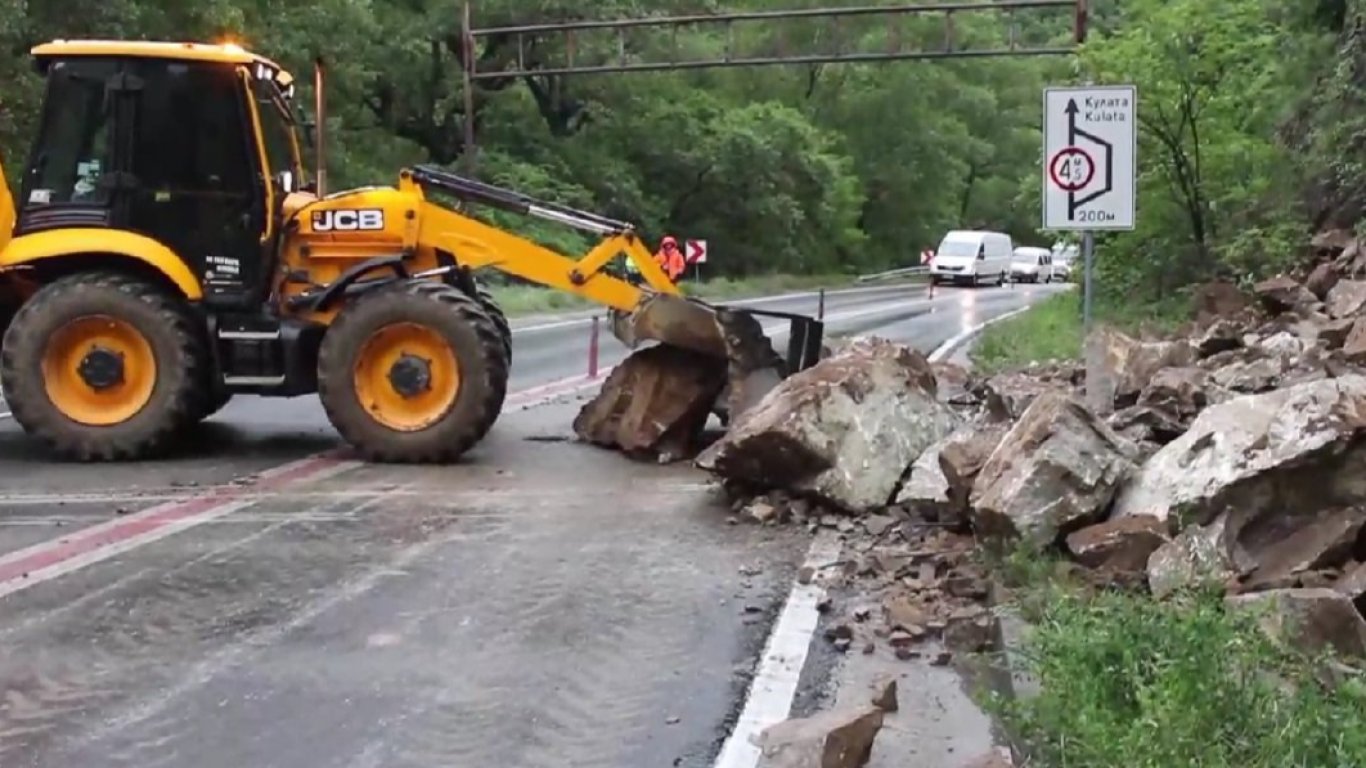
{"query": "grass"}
{"type": "Point", "coordinates": [1052, 330]}
{"type": "Point", "coordinates": [1125, 680]}
{"type": "Point", "coordinates": [531, 300]}
{"type": "Point", "coordinates": [1128, 681]}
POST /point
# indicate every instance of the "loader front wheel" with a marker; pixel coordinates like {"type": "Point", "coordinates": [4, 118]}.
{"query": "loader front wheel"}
{"type": "Point", "coordinates": [413, 374]}
{"type": "Point", "coordinates": [103, 367]}
{"type": "Point", "coordinates": [495, 313]}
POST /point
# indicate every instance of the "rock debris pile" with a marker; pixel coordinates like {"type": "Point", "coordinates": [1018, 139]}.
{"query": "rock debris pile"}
{"type": "Point", "coordinates": [1233, 452]}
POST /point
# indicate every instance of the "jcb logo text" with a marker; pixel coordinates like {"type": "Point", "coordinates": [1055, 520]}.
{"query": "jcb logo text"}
{"type": "Point", "coordinates": [348, 221]}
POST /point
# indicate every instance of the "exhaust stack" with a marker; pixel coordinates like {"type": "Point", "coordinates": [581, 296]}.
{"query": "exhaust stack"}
{"type": "Point", "coordinates": [320, 124]}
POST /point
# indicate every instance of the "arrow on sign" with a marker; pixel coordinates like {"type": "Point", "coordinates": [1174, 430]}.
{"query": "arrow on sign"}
{"type": "Point", "coordinates": [1073, 202]}
{"type": "Point", "coordinates": [697, 251]}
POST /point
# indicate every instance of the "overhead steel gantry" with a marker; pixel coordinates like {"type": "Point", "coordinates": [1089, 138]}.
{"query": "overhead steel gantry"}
{"type": "Point", "coordinates": [556, 49]}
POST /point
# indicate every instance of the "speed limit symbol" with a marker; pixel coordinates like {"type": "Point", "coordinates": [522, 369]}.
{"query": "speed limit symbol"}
{"type": "Point", "coordinates": [1071, 169]}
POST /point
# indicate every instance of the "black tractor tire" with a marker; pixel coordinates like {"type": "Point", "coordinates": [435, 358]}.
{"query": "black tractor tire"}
{"type": "Point", "coordinates": [466, 329]}
{"type": "Point", "coordinates": [495, 313]}
{"type": "Point", "coordinates": [160, 317]}
{"type": "Point", "coordinates": [216, 402]}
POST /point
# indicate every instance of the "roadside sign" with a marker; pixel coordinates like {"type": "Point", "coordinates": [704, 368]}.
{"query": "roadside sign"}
{"type": "Point", "coordinates": [1090, 144]}
{"type": "Point", "coordinates": [696, 252]}
{"type": "Point", "coordinates": [926, 256]}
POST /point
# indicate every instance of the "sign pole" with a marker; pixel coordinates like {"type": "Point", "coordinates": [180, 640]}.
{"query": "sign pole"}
{"type": "Point", "coordinates": [1088, 244]}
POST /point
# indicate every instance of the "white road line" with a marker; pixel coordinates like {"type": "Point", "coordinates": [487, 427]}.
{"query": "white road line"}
{"type": "Point", "coordinates": [770, 696]}
{"type": "Point", "coordinates": [947, 348]}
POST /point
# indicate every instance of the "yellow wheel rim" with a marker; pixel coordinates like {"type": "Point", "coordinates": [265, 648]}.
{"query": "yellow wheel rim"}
{"type": "Point", "coordinates": [99, 371]}
{"type": "Point", "coordinates": [407, 376]}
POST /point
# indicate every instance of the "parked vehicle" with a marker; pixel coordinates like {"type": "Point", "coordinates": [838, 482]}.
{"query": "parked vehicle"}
{"type": "Point", "coordinates": [1031, 265]}
{"type": "Point", "coordinates": [1064, 256]}
{"type": "Point", "coordinates": [972, 257]}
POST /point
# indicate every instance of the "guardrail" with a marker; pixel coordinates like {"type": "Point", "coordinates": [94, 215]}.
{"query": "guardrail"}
{"type": "Point", "coordinates": [892, 274]}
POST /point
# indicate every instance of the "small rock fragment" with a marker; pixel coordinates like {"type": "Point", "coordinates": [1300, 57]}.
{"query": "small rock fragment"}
{"type": "Point", "coordinates": [841, 738]}
{"type": "Point", "coordinates": [997, 758]}
{"type": "Point", "coordinates": [885, 696]}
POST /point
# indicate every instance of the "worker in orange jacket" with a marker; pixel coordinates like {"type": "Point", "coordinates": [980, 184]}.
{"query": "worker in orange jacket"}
{"type": "Point", "coordinates": [670, 259]}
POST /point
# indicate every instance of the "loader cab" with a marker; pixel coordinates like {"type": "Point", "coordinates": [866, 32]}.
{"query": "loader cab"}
{"type": "Point", "coordinates": [192, 146]}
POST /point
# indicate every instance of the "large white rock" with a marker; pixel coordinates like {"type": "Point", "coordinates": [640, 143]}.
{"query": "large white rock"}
{"type": "Point", "coordinates": [845, 430]}
{"type": "Point", "coordinates": [1290, 450]}
{"type": "Point", "coordinates": [1057, 469]}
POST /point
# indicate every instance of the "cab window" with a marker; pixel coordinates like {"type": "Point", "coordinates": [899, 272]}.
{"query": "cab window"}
{"type": "Point", "coordinates": [72, 151]}
{"type": "Point", "coordinates": [278, 127]}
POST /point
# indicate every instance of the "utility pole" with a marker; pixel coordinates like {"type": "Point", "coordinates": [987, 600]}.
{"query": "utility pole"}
{"type": "Point", "coordinates": [467, 46]}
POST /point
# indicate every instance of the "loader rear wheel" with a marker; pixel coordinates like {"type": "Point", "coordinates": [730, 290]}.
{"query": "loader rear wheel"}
{"type": "Point", "coordinates": [413, 374]}
{"type": "Point", "coordinates": [103, 367]}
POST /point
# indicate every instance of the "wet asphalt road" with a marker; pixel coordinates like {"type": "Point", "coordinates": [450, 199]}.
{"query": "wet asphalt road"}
{"type": "Point", "coordinates": [541, 604]}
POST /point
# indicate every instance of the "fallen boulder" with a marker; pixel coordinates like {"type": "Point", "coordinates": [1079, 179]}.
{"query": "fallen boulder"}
{"type": "Point", "coordinates": [1322, 279]}
{"type": "Point", "coordinates": [844, 430]}
{"type": "Point", "coordinates": [954, 383]}
{"type": "Point", "coordinates": [1249, 376]}
{"type": "Point", "coordinates": [1182, 392]}
{"type": "Point", "coordinates": [1123, 544]}
{"type": "Point", "coordinates": [927, 491]}
{"type": "Point", "coordinates": [1009, 395]}
{"type": "Point", "coordinates": [1297, 448]}
{"type": "Point", "coordinates": [841, 738]}
{"type": "Point", "coordinates": [1272, 550]}
{"type": "Point", "coordinates": [962, 457]}
{"type": "Point", "coordinates": [1198, 555]}
{"type": "Point", "coordinates": [1219, 299]}
{"type": "Point", "coordinates": [1353, 582]}
{"type": "Point", "coordinates": [1283, 294]}
{"type": "Point", "coordinates": [1146, 426]}
{"type": "Point", "coordinates": [1347, 298]}
{"type": "Point", "coordinates": [1222, 335]}
{"type": "Point", "coordinates": [1283, 345]}
{"type": "Point", "coordinates": [1056, 470]}
{"type": "Point", "coordinates": [1334, 333]}
{"type": "Point", "coordinates": [1354, 345]}
{"type": "Point", "coordinates": [654, 404]}
{"type": "Point", "coordinates": [1310, 620]}
{"type": "Point", "coordinates": [1332, 241]}
{"type": "Point", "coordinates": [1118, 367]}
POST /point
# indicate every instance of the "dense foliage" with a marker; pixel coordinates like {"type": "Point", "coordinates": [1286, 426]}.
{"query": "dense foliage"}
{"type": "Point", "coordinates": [795, 169]}
{"type": "Point", "coordinates": [1251, 121]}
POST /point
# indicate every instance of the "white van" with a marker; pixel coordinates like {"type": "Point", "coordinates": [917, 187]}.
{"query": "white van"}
{"type": "Point", "coordinates": [972, 257]}
{"type": "Point", "coordinates": [1032, 265]}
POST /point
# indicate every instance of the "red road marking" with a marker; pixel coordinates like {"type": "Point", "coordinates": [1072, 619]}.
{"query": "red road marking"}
{"type": "Point", "coordinates": [19, 564]}
{"type": "Point", "coordinates": [53, 558]}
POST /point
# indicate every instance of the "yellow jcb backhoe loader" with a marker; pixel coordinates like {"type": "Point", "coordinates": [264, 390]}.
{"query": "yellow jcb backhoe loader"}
{"type": "Point", "coordinates": [166, 251]}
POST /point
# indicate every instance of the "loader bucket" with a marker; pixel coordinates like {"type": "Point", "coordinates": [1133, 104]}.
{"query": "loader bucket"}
{"type": "Point", "coordinates": [753, 367]}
